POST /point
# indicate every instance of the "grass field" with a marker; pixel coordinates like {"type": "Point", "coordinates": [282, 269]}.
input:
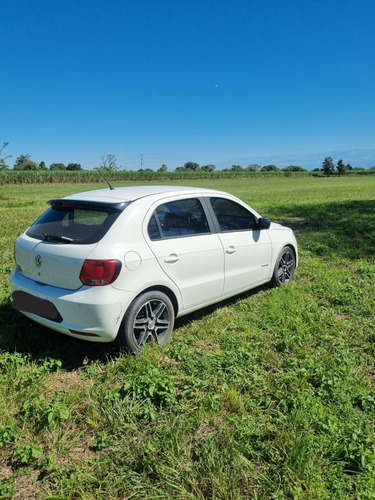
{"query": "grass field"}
{"type": "Point", "coordinates": [266, 396]}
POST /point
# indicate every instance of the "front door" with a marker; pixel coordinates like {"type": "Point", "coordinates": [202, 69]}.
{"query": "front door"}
{"type": "Point", "coordinates": [247, 250]}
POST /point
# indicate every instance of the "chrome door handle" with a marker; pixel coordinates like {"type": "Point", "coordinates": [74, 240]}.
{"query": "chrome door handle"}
{"type": "Point", "coordinates": [230, 250]}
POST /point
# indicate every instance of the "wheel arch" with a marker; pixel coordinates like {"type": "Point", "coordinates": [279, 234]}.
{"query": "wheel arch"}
{"type": "Point", "coordinates": [277, 249]}
{"type": "Point", "coordinates": [168, 292]}
{"type": "Point", "coordinates": [295, 252]}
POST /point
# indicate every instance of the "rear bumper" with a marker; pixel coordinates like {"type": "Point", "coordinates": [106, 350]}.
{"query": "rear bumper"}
{"type": "Point", "coordinates": [90, 313]}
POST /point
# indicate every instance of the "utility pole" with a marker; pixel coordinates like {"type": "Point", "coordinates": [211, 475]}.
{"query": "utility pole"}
{"type": "Point", "coordinates": [141, 162]}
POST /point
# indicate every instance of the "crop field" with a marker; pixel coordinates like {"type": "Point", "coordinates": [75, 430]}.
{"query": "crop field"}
{"type": "Point", "coordinates": [270, 395]}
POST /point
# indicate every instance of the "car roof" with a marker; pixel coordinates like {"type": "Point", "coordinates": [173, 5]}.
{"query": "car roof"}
{"type": "Point", "coordinates": [131, 193]}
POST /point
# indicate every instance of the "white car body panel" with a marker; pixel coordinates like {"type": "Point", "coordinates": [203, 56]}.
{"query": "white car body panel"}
{"type": "Point", "coordinates": [195, 264]}
{"type": "Point", "coordinates": [61, 263]}
{"type": "Point", "coordinates": [247, 259]}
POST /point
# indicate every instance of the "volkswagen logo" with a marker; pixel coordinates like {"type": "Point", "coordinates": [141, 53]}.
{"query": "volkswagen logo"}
{"type": "Point", "coordinates": [38, 260]}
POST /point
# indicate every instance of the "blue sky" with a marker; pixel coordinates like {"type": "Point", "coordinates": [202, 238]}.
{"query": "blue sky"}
{"type": "Point", "coordinates": [223, 82]}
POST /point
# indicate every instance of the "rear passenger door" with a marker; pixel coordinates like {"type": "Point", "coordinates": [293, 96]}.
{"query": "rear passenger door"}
{"type": "Point", "coordinates": [247, 250]}
{"type": "Point", "coordinates": [181, 239]}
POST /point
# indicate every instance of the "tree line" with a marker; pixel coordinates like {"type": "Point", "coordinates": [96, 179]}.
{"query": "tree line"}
{"type": "Point", "coordinates": [109, 163]}
{"type": "Point", "coordinates": [328, 167]}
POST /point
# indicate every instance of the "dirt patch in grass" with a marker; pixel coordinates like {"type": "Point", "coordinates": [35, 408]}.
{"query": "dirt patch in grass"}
{"type": "Point", "coordinates": [79, 453]}
{"type": "Point", "coordinates": [26, 487]}
{"type": "Point", "coordinates": [5, 471]}
{"type": "Point", "coordinates": [340, 317]}
{"type": "Point", "coordinates": [61, 382]}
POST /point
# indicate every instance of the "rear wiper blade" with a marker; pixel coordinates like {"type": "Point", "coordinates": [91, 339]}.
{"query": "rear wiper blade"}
{"type": "Point", "coordinates": [53, 237]}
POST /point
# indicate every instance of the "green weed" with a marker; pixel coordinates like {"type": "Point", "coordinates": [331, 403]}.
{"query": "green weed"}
{"type": "Point", "coordinates": [26, 453]}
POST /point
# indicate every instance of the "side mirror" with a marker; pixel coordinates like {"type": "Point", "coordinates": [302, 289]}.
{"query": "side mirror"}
{"type": "Point", "coordinates": [263, 223]}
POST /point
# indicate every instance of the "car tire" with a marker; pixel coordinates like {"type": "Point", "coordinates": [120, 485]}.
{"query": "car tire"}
{"type": "Point", "coordinates": [149, 317]}
{"type": "Point", "coordinates": [284, 267]}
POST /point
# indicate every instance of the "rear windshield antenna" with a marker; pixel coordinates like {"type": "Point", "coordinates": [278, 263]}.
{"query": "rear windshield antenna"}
{"type": "Point", "coordinates": [106, 180]}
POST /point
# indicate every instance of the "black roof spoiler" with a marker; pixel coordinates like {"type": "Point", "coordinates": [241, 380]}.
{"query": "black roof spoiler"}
{"type": "Point", "coordinates": [89, 204]}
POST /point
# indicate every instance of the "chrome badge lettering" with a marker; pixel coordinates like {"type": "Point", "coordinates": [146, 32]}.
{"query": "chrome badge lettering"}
{"type": "Point", "coordinates": [38, 260]}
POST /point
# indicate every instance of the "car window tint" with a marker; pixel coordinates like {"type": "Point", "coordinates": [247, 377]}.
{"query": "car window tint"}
{"type": "Point", "coordinates": [231, 216]}
{"type": "Point", "coordinates": [82, 226]}
{"type": "Point", "coordinates": [180, 218]}
{"type": "Point", "coordinates": [153, 229]}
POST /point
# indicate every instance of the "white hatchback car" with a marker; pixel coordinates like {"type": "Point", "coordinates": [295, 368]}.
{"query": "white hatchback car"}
{"type": "Point", "coordinates": [120, 264]}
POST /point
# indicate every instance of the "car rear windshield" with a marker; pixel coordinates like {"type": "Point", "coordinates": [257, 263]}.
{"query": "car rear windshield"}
{"type": "Point", "coordinates": [74, 223]}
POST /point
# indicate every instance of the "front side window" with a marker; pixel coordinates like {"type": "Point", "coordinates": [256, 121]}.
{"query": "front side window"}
{"type": "Point", "coordinates": [231, 216]}
{"type": "Point", "coordinates": [178, 218]}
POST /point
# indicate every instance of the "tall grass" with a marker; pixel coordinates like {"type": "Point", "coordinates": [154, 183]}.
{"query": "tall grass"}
{"type": "Point", "coordinates": [268, 396]}
{"type": "Point", "coordinates": [91, 176]}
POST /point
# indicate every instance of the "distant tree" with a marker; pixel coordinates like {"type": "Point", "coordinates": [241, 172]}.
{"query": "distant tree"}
{"type": "Point", "coordinates": [163, 168]}
{"type": "Point", "coordinates": [317, 169]}
{"type": "Point", "coordinates": [74, 166]}
{"type": "Point", "coordinates": [31, 165]}
{"type": "Point", "coordinates": [269, 168]}
{"type": "Point", "coordinates": [208, 168]}
{"type": "Point", "coordinates": [57, 166]}
{"type": "Point", "coordinates": [293, 168]}
{"type": "Point", "coordinates": [23, 162]}
{"type": "Point", "coordinates": [236, 168]}
{"type": "Point", "coordinates": [372, 168]}
{"type": "Point", "coordinates": [20, 160]}
{"type": "Point", "coordinates": [190, 165]}
{"type": "Point", "coordinates": [340, 167]}
{"type": "Point", "coordinates": [254, 167]}
{"type": "Point", "coordinates": [42, 166]}
{"type": "Point", "coordinates": [328, 167]}
{"type": "Point", "coordinates": [3, 164]}
{"type": "Point", "coordinates": [180, 169]}
{"type": "Point", "coordinates": [109, 162]}
{"type": "Point", "coordinates": [349, 167]}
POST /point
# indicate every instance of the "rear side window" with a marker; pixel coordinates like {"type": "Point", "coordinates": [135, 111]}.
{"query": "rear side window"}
{"type": "Point", "coordinates": [73, 224]}
{"type": "Point", "coordinates": [231, 216]}
{"type": "Point", "coordinates": [178, 218]}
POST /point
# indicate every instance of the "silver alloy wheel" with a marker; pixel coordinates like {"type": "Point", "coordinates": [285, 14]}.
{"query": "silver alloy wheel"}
{"type": "Point", "coordinates": [152, 321]}
{"type": "Point", "coordinates": [149, 317]}
{"type": "Point", "coordinates": [286, 266]}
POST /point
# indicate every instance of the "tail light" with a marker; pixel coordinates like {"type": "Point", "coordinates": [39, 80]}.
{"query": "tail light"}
{"type": "Point", "coordinates": [99, 272]}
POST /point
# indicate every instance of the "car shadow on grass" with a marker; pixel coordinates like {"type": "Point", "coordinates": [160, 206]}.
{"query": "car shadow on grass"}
{"type": "Point", "coordinates": [345, 229]}
{"type": "Point", "coordinates": [19, 334]}
{"type": "Point", "coordinates": [206, 311]}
